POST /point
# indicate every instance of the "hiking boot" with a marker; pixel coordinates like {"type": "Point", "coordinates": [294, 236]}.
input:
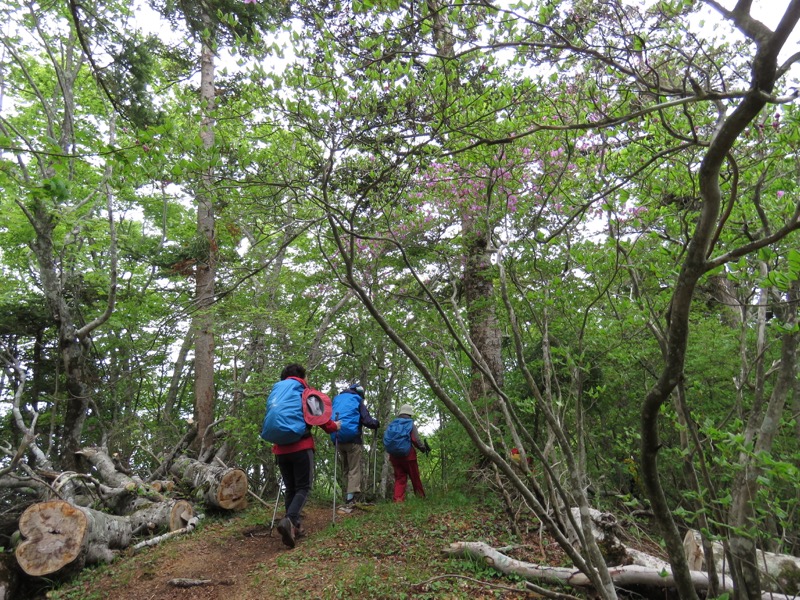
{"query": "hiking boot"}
{"type": "Point", "coordinates": [287, 531]}
{"type": "Point", "coordinates": [299, 532]}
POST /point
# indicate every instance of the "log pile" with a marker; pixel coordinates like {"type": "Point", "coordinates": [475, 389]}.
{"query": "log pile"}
{"type": "Point", "coordinates": [59, 534]}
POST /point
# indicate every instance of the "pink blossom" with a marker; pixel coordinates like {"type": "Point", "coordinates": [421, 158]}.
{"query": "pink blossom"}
{"type": "Point", "coordinates": [251, 1]}
{"type": "Point", "coordinates": [781, 193]}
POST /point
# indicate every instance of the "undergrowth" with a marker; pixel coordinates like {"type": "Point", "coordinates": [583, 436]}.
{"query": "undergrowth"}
{"type": "Point", "coordinates": [389, 551]}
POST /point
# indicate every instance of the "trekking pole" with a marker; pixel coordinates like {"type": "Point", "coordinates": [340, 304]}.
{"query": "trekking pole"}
{"type": "Point", "coordinates": [375, 463]}
{"type": "Point", "coordinates": [275, 510]}
{"type": "Point", "coordinates": [335, 458]}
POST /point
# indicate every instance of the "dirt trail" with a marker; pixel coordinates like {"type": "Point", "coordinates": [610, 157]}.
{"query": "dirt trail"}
{"type": "Point", "coordinates": [233, 556]}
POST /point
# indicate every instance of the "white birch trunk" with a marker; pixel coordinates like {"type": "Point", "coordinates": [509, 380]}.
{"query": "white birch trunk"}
{"type": "Point", "coordinates": [220, 487]}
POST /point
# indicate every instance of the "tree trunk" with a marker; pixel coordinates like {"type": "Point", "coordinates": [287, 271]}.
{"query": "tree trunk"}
{"type": "Point", "coordinates": [220, 487]}
{"type": "Point", "coordinates": [133, 491]}
{"type": "Point", "coordinates": [484, 329]}
{"type": "Point", "coordinates": [622, 576]}
{"type": "Point", "coordinates": [170, 515]}
{"type": "Point", "coordinates": [205, 269]}
{"type": "Point", "coordinates": [777, 572]}
{"type": "Point", "coordinates": [177, 376]}
{"type": "Point", "coordinates": [60, 535]}
{"type": "Point", "coordinates": [8, 578]}
{"type": "Point", "coordinates": [72, 350]}
{"type": "Point", "coordinates": [763, 426]}
{"type": "Point", "coordinates": [696, 263]}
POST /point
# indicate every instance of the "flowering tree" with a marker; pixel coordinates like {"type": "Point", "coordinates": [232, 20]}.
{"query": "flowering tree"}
{"type": "Point", "coordinates": [567, 155]}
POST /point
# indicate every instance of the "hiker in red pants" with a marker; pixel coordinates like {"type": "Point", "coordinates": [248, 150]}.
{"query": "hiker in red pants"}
{"type": "Point", "coordinates": [399, 440]}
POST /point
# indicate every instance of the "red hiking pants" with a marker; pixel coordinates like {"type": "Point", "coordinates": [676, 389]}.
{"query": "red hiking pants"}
{"type": "Point", "coordinates": [405, 467]}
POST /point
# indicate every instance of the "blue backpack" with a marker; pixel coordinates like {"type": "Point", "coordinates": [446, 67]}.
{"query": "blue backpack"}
{"type": "Point", "coordinates": [292, 408]}
{"type": "Point", "coordinates": [397, 437]}
{"type": "Point", "coordinates": [346, 406]}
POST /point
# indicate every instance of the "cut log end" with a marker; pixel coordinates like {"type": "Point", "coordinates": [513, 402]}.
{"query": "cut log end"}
{"type": "Point", "coordinates": [54, 533]}
{"type": "Point", "coordinates": [232, 491]}
{"type": "Point", "coordinates": [162, 486]}
{"type": "Point", "coordinates": [180, 515]}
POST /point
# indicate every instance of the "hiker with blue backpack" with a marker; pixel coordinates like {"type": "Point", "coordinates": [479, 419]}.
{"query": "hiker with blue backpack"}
{"type": "Point", "coordinates": [292, 409]}
{"type": "Point", "coordinates": [399, 440]}
{"type": "Point", "coordinates": [349, 441]}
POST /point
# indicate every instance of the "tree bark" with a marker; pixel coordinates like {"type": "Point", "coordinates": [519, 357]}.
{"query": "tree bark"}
{"type": "Point", "coordinates": [764, 73]}
{"type": "Point", "coordinates": [60, 536]}
{"type": "Point", "coordinates": [205, 269]}
{"type": "Point", "coordinates": [133, 492]}
{"type": "Point", "coordinates": [777, 572]}
{"type": "Point", "coordinates": [621, 575]}
{"type": "Point", "coordinates": [8, 578]}
{"type": "Point", "coordinates": [220, 487]}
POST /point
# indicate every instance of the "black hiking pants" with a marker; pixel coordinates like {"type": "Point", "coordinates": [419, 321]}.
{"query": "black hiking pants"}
{"type": "Point", "coordinates": [297, 471]}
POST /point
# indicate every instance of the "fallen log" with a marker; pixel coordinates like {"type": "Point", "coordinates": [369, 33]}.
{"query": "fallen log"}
{"type": "Point", "coordinates": [625, 575]}
{"type": "Point", "coordinates": [60, 535]}
{"type": "Point", "coordinates": [107, 468]}
{"type": "Point", "coordinates": [220, 487]}
{"type": "Point", "coordinates": [181, 582]}
{"type": "Point", "coordinates": [779, 572]}
{"type": "Point", "coordinates": [169, 515]}
{"type": "Point", "coordinates": [162, 485]}
{"type": "Point", "coordinates": [128, 493]}
{"type": "Point", "coordinates": [604, 528]}
{"type": "Point", "coordinates": [166, 463]}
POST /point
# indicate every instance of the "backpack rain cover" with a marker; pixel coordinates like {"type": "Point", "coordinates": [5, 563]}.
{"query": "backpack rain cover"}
{"type": "Point", "coordinates": [397, 437]}
{"type": "Point", "coordinates": [284, 422]}
{"type": "Point", "coordinates": [346, 406]}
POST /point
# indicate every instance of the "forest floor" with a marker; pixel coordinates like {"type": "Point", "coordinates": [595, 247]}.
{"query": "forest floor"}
{"type": "Point", "coordinates": [382, 551]}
